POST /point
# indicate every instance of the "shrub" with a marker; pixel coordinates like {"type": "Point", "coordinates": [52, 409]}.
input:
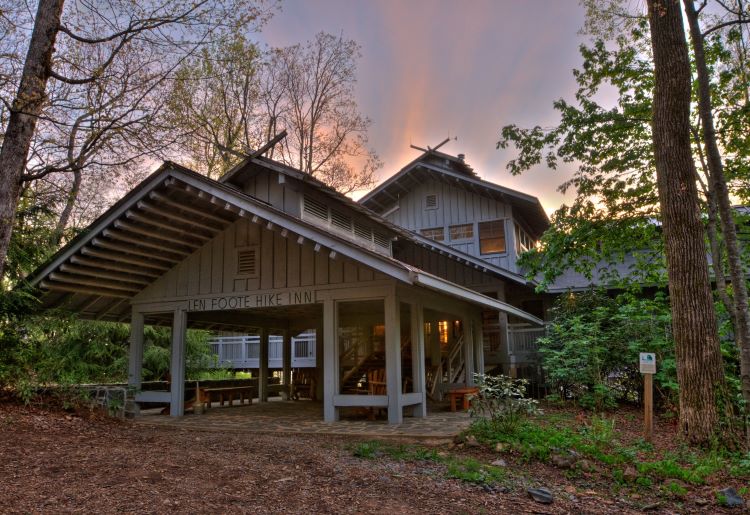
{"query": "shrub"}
{"type": "Point", "coordinates": [501, 400]}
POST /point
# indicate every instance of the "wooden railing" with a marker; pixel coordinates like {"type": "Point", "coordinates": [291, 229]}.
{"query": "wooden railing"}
{"type": "Point", "coordinates": [244, 351]}
{"type": "Point", "coordinates": [522, 343]}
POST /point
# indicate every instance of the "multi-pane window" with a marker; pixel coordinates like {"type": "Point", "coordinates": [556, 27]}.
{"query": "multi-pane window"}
{"type": "Point", "coordinates": [462, 232]}
{"type": "Point", "coordinates": [434, 233]}
{"type": "Point", "coordinates": [492, 237]}
{"type": "Point", "coordinates": [524, 242]}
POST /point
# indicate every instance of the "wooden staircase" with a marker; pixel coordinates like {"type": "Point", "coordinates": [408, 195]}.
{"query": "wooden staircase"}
{"type": "Point", "coordinates": [357, 376]}
{"type": "Point", "coordinates": [451, 370]}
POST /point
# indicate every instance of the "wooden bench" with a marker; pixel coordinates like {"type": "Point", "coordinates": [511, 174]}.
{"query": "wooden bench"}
{"type": "Point", "coordinates": [463, 394]}
{"type": "Point", "coordinates": [226, 393]}
{"type": "Point", "coordinates": [303, 384]}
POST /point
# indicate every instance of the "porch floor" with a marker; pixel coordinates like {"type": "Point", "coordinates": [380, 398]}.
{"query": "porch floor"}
{"type": "Point", "coordinates": [295, 417]}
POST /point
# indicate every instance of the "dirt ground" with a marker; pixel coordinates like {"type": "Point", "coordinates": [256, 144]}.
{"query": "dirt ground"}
{"type": "Point", "coordinates": [54, 462]}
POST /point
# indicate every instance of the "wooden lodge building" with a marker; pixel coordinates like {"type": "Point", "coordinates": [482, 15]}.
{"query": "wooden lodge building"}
{"type": "Point", "coordinates": [406, 292]}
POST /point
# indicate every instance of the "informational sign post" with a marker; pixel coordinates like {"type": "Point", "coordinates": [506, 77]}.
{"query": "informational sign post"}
{"type": "Point", "coordinates": [647, 363]}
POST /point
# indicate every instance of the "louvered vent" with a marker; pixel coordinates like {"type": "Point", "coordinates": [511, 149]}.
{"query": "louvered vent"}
{"type": "Point", "coordinates": [381, 240]}
{"type": "Point", "coordinates": [341, 221]}
{"type": "Point", "coordinates": [362, 231]}
{"type": "Point", "coordinates": [247, 262]}
{"type": "Point", "coordinates": [431, 202]}
{"type": "Point", "coordinates": [315, 208]}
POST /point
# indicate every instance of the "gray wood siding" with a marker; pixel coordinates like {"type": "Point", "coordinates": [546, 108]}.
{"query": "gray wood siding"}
{"type": "Point", "coordinates": [282, 263]}
{"type": "Point", "coordinates": [456, 206]}
{"type": "Point", "coordinates": [266, 187]}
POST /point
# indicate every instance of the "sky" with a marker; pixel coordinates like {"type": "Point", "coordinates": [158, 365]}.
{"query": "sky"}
{"type": "Point", "coordinates": [432, 69]}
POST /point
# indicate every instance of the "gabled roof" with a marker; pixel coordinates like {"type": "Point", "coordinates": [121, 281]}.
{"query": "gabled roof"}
{"type": "Point", "coordinates": [426, 166]}
{"type": "Point", "coordinates": [165, 219]}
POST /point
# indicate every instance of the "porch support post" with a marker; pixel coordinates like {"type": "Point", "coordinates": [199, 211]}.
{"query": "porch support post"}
{"type": "Point", "coordinates": [177, 368]}
{"type": "Point", "coordinates": [393, 359]}
{"type": "Point", "coordinates": [437, 357]}
{"type": "Point", "coordinates": [417, 358]}
{"type": "Point", "coordinates": [263, 366]}
{"type": "Point", "coordinates": [469, 369]}
{"type": "Point", "coordinates": [479, 344]}
{"type": "Point", "coordinates": [135, 364]}
{"type": "Point", "coordinates": [330, 368]}
{"type": "Point", "coordinates": [287, 360]}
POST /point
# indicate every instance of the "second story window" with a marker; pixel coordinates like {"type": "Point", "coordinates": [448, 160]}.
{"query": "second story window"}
{"type": "Point", "coordinates": [435, 233]}
{"type": "Point", "coordinates": [462, 232]}
{"type": "Point", "coordinates": [492, 237]}
{"type": "Point", "coordinates": [524, 242]}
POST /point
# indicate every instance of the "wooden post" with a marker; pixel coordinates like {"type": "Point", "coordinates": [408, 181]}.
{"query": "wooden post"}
{"type": "Point", "coordinates": [648, 406]}
{"type": "Point", "coordinates": [393, 359]}
{"type": "Point", "coordinates": [417, 358]}
{"type": "Point", "coordinates": [647, 364]}
{"type": "Point", "coordinates": [328, 341]}
{"type": "Point", "coordinates": [287, 361]}
{"type": "Point", "coordinates": [263, 366]}
{"type": "Point", "coordinates": [468, 350]}
{"type": "Point", "coordinates": [135, 365]}
{"type": "Point", "coordinates": [177, 366]}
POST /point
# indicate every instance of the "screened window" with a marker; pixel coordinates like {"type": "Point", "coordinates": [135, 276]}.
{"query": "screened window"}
{"type": "Point", "coordinates": [462, 232]}
{"type": "Point", "coordinates": [492, 237]}
{"type": "Point", "coordinates": [434, 233]}
{"type": "Point", "coordinates": [431, 201]}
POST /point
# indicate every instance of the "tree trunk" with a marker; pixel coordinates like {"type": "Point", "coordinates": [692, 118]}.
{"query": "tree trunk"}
{"type": "Point", "coordinates": [26, 107]}
{"type": "Point", "coordinates": [70, 203]}
{"type": "Point", "coordinates": [699, 367]}
{"type": "Point", "coordinates": [716, 170]}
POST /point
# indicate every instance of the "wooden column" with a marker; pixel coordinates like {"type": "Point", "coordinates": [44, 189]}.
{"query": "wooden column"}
{"type": "Point", "coordinates": [287, 361]}
{"type": "Point", "coordinates": [263, 366]}
{"type": "Point", "coordinates": [330, 360]}
{"type": "Point", "coordinates": [468, 350]}
{"type": "Point", "coordinates": [320, 371]}
{"type": "Point", "coordinates": [393, 359]}
{"type": "Point", "coordinates": [417, 358]}
{"type": "Point", "coordinates": [135, 364]}
{"type": "Point", "coordinates": [479, 345]}
{"type": "Point", "coordinates": [437, 358]}
{"type": "Point", "coordinates": [135, 356]}
{"type": "Point", "coordinates": [177, 365]}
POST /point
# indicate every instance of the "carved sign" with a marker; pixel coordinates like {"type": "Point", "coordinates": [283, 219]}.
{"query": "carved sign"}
{"type": "Point", "coordinates": [252, 300]}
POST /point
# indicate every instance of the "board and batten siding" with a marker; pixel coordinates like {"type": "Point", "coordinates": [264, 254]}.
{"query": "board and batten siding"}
{"type": "Point", "coordinates": [456, 206]}
{"type": "Point", "coordinates": [268, 188]}
{"type": "Point", "coordinates": [281, 263]}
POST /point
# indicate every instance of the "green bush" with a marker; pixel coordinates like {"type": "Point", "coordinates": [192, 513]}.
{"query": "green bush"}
{"type": "Point", "coordinates": [502, 401]}
{"type": "Point", "coordinates": [590, 352]}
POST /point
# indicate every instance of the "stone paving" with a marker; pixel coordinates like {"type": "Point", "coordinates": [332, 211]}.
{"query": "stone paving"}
{"type": "Point", "coordinates": [302, 416]}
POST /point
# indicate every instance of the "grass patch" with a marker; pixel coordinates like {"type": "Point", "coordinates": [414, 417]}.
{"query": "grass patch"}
{"type": "Point", "coordinates": [537, 439]}
{"type": "Point", "coordinates": [469, 470]}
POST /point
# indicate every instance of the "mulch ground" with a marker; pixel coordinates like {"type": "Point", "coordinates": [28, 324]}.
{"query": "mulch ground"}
{"type": "Point", "coordinates": [53, 461]}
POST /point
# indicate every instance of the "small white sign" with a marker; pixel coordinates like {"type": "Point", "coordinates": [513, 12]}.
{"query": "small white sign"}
{"type": "Point", "coordinates": [648, 363]}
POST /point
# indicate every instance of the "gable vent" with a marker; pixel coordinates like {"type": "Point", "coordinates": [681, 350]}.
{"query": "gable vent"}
{"type": "Point", "coordinates": [247, 262]}
{"type": "Point", "coordinates": [315, 208]}
{"type": "Point", "coordinates": [431, 201]}
{"type": "Point", "coordinates": [341, 221]}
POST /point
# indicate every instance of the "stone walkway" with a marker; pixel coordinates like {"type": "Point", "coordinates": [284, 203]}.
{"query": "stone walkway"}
{"type": "Point", "coordinates": [297, 417]}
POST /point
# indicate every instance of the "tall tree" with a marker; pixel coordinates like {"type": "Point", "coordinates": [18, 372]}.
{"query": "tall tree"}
{"type": "Point", "coordinates": [230, 98]}
{"type": "Point", "coordinates": [101, 52]}
{"type": "Point", "coordinates": [699, 366]}
{"type": "Point", "coordinates": [720, 192]}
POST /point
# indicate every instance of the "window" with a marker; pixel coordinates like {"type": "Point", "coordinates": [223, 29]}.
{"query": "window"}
{"type": "Point", "coordinates": [431, 201]}
{"type": "Point", "coordinates": [247, 262]}
{"type": "Point", "coordinates": [462, 232]}
{"type": "Point", "coordinates": [524, 242]}
{"type": "Point", "coordinates": [434, 233]}
{"type": "Point", "coordinates": [492, 237]}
